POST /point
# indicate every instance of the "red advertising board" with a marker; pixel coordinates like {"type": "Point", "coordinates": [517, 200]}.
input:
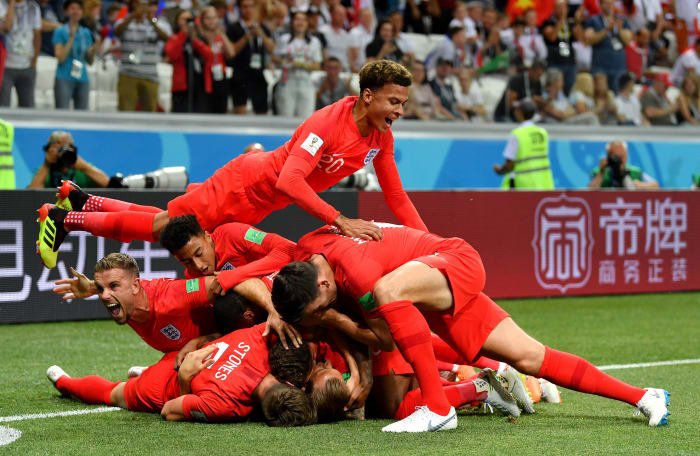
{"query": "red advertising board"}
{"type": "Point", "coordinates": [568, 243]}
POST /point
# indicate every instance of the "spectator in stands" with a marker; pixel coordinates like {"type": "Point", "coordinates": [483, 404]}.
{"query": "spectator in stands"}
{"type": "Point", "coordinates": [384, 46]}
{"type": "Point", "coordinates": [452, 47]}
{"type": "Point", "coordinates": [687, 62]}
{"type": "Point", "coordinates": [192, 60]}
{"type": "Point", "coordinates": [314, 14]}
{"type": "Point", "coordinates": [338, 40]}
{"type": "Point", "coordinates": [558, 36]}
{"type": "Point", "coordinates": [74, 50]}
{"type": "Point", "coordinates": [613, 171]}
{"type": "Point", "coordinates": [277, 19]}
{"type": "Point", "coordinates": [422, 16]}
{"type": "Point", "coordinates": [402, 41]}
{"type": "Point", "coordinates": [213, 33]}
{"type": "Point", "coordinates": [470, 101]}
{"type": "Point", "coordinates": [62, 162]}
{"type": "Point", "coordinates": [608, 34]}
{"type": "Point", "coordinates": [20, 23]}
{"type": "Point", "coordinates": [461, 19]}
{"type": "Point", "coordinates": [604, 100]}
{"type": "Point", "coordinates": [361, 35]}
{"type": "Point", "coordinates": [422, 103]}
{"type": "Point", "coordinates": [493, 49]}
{"type": "Point", "coordinates": [140, 35]}
{"type": "Point", "coordinates": [689, 101]}
{"type": "Point", "coordinates": [629, 109]}
{"type": "Point", "coordinates": [582, 50]}
{"type": "Point", "coordinates": [581, 96]}
{"type": "Point", "coordinates": [299, 54]}
{"type": "Point", "coordinates": [522, 85]}
{"type": "Point", "coordinates": [49, 22]}
{"type": "Point", "coordinates": [92, 16]}
{"type": "Point", "coordinates": [687, 28]}
{"type": "Point", "coordinates": [531, 40]}
{"type": "Point", "coordinates": [252, 45]}
{"type": "Point", "coordinates": [443, 88]}
{"type": "Point", "coordinates": [637, 53]}
{"type": "Point", "coordinates": [110, 42]}
{"type": "Point", "coordinates": [556, 106]}
{"type": "Point", "coordinates": [656, 106]}
{"type": "Point", "coordinates": [332, 87]}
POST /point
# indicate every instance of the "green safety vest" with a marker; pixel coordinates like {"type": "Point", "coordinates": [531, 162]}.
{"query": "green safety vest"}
{"type": "Point", "coordinates": [7, 164]}
{"type": "Point", "coordinates": [531, 170]}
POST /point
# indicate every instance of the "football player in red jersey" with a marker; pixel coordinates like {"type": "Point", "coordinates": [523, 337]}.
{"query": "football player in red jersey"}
{"type": "Point", "coordinates": [412, 282]}
{"type": "Point", "coordinates": [331, 144]}
{"type": "Point", "coordinates": [220, 382]}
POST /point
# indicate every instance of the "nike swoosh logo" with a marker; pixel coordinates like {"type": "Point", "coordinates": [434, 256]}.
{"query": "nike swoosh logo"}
{"type": "Point", "coordinates": [439, 426]}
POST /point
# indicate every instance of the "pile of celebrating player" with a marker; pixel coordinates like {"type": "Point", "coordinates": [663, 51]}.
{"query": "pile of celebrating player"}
{"type": "Point", "coordinates": [357, 315]}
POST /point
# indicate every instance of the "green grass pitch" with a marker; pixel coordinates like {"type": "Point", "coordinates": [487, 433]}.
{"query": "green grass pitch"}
{"type": "Point", "coordinates": [605, 330]}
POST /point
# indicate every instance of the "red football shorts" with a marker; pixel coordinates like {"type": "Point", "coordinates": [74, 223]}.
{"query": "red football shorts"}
{"type": "Point", "coordinates": [387, 363]}
{"type": "Point", "coordinates": [467, 325]}
{"type": "Point", "coordinates": [154, 387]}
{"type": "Point", "coordinates": [467, 329]}
{"type": "Point", "coordinates": [462, 267]}
{"type": "Point", "coordinates": [218, 200]}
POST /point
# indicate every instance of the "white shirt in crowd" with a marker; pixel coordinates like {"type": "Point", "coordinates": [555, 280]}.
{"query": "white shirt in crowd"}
{"type": "Point", "coordinates": [361, 37]}
{"type": "Point", "coordinates": [686, 61]}
{"type": "Point", "coordinates": [337, 44]}
{"type": "Point", "coordinates": [629, 108]}
{"type": "Point", "coordinates": [19, 42]}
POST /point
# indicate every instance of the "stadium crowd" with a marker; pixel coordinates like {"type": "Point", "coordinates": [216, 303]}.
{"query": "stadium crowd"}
{"type": "Point", "coordinates": [625, 62]}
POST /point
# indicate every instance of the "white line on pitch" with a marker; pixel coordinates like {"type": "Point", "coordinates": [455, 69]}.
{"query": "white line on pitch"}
{"type": "Point", "coordinates": [35, 416]}
{"type": "Point", "coordinates": [651, 364]}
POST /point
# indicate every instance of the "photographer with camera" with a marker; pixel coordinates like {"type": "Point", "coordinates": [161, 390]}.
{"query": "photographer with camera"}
{"type": "Point", "coordinates": [62, 162]}
{"type": "Point", "coordinates": [614, 172]}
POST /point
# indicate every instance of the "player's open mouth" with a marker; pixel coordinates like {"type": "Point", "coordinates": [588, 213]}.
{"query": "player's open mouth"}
{"type": "Point", "coordinates": [388, 121]}
{"type": "Point", "coordinates": [114, 309]}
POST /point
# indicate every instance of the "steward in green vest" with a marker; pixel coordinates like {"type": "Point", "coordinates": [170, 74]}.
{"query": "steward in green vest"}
{"type": "Point", "coordinates": [7, 164]}
{"type": "Point", "coordinates": [526, 165]}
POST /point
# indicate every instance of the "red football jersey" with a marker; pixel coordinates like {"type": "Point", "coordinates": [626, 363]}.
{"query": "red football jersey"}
{"type": "Point", "coordinates": [179, 311]}
{"type": "Point", "coordinates": [224, 390]}
{"type": "Point", "coordinates": [245, 252]}
{"type": "Point", "coordinates": [358, 264]}
{"type": "Point", "coordinates": [324, 149]}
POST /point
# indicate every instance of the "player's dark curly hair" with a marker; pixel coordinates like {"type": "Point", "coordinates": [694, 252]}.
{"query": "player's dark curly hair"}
{"type": "Point", "coordinates": [330, 400]}
{"type": "Point", "coordinates": [228, 311]}
{"type": "Point", "coordinates": [286, 406]}
{"type": "Point", "coordinates": [290, 365]}
{"type": "Point", "coordinates": [293, 289]}
{"type": "Point", "coordinates": [179, 231]}
{"type": "Point", "coordinates": [376, 74]}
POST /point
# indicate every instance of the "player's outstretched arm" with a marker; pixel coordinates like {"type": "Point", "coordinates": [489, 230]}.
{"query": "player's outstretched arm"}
{"type": "Point", "coordinates": [172, 410]}
{"type": "Point", "coordinates": [256, 291]}
{"type": "Point", "coordinates": [78, 286]}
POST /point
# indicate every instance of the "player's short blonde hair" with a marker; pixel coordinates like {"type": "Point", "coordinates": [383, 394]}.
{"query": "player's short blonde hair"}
{"type": "Point", "coordinates": [118, 261]}
{"type": "Point", "coordinates": [376, 74]}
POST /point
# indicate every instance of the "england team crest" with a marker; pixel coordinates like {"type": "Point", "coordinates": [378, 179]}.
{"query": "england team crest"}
{"type": "Point", "coordinates": [563, 243]}
{"type": "Point", "coordinates": [171, 332]}
{"type": "Point", "coordinates": [370, 156]}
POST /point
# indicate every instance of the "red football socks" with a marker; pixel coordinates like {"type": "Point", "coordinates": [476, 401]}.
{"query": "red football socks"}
{"type": "Point", "coordinates": [102, 204]}
{"type": "Point", "coordinates": [412, 335]}
{"type": "Point", "coordinates": [122, 226]}
{"type": "Point", "coordinates": [92, 389]}
{"type": "Point", "coordinates": [483, 362]}
{"type": "Point", "coordinates": [573, 372]}
{"type": "Point", "coordinates": [458, 394]}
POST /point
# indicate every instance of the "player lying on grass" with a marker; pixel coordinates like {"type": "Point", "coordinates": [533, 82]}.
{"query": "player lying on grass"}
{"type": "Point", "coordinates": [414, 282]}
{"type": "Point", "coordinates": [331, 144]}
{"type": "Point", "coordinates": [217, 383]}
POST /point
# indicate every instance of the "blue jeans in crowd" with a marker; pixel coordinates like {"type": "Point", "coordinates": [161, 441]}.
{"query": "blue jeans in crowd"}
{"type": "Point", "coordinates": [66, 90]}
